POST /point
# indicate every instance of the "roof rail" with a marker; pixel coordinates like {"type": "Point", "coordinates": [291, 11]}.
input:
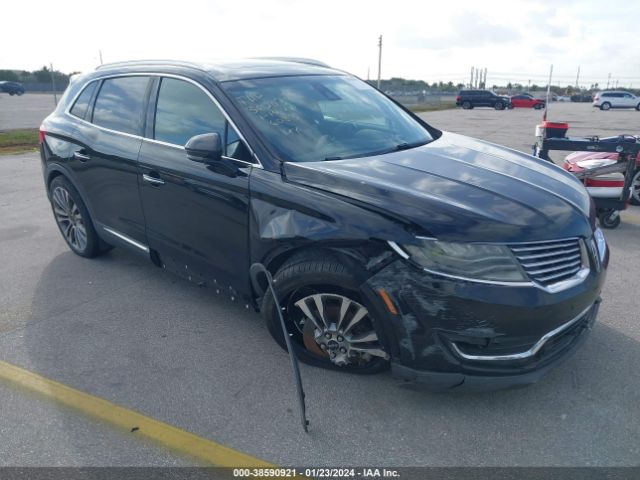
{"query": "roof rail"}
{"type": "Point", "coordinates": [306, 61]}
{"type": "Point", "coordinates": [150, 62]}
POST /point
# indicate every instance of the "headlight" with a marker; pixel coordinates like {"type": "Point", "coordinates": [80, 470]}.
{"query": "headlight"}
{"type": "Point", "coordinates": [601, 243]}
{"type": "Point", "coordinates": [467, 260]}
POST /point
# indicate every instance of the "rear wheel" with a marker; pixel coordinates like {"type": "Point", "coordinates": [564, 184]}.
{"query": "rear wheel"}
{"type": "Point", "coordinates": [467, 105]}
{"type": "Point", "coordinates": [635, 188]}
{"type": "Point", "coordinates": [329, 323]}
{"type": "Point", "coordinates": [638, 107]}
{"type": "Point", "coordinates": [73, 219]}
{"type": "Point", "coordinates": [605, 106]}
{"type": "Point", "coordinates": [538, 106]}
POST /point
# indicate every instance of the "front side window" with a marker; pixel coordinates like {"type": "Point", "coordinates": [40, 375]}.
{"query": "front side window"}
{"type": "Point", "coordinates": [120, 104]}
{"type": "Point", "coordinates": [311, 118]}
{"type": "Point", "coordinates": [184, 110]}
{"type": "Point", "coordinates": [81, 105]}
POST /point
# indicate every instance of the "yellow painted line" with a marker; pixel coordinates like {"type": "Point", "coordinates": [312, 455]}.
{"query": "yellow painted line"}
{"type": "Point", "coordinates": [163, 433]}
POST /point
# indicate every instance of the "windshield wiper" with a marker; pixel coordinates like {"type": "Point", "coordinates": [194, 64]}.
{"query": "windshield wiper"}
{"type": "Point", "coordinates": [407, 146]}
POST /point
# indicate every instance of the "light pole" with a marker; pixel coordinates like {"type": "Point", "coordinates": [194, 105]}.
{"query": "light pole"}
{"type": "Point", "coordinates": [379, 59]}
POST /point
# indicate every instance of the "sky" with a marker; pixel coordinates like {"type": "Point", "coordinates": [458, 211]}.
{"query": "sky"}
{"type": "Point", "coordinates": [516, 41]}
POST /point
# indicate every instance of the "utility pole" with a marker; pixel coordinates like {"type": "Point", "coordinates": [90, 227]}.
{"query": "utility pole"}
{"type": "Point", "coordinates": [608, 80]}
{"type": "Point", "coordinates": [53, 86]}
{"type": "Point", "coordinates": [578, 79]}
{"type": "Point", "coordinates": [484, 80]}
{"type": "Point", "coordinates": [546, 104]}
{"type": "Point", "coordinates": [379, 59]}
{"type": "Point", "coordinates": [471, 80]}
{"type": "Point", "coordinates": [616, 83]}
{"type": "Point", "coordinates": [100, 53]}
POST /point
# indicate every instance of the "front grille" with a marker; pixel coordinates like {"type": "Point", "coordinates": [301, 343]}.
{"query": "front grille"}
{"type": "Point", "coordinates": [550, 262]}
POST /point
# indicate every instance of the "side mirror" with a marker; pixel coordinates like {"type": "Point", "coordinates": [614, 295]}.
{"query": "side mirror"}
{"type": "Point", "coordinates": [205, 148]}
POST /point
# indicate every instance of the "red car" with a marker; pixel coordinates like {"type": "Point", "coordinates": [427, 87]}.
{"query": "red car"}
{"type": "Point", "coordinates": [609, 185]}
{"type": "Point", "coordinates": [524, 100]}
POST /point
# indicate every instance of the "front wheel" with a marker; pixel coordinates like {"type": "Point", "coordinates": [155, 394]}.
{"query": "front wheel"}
{"type": "Point", "coordinates": [329, 323]}
{"type": "Point", "coordinates": [609, 218]}
{"type": "Point", "coordinates": [499, 106]}
{"type": "Point", "coordinates": [635, 188]}
{"type": "Point", "coordinates": [538, 106]}
{"type": "Point", "coordinates": [638, 107]}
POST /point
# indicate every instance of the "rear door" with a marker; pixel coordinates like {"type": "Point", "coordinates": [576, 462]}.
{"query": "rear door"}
{"type": "Point", "coordinates": [196, 214]}
{"type": "Point", "coordinates": [106, 166]}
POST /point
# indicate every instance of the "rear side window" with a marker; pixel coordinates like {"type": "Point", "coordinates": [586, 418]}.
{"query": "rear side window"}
{"type": "Point", "coordinates": [79, 108]}
{"type": "Point", "coordinates": [120, 104]}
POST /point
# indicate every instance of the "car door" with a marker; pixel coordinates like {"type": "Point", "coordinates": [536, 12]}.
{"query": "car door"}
{"type": "Point", "coordinates": [105, 165]}
{"type": "Point", "coordinates": [196, 214]}
{"type": "Point", "coordinates": [517, 100]}
{"type": "Point", "coordinates": [629, 100]}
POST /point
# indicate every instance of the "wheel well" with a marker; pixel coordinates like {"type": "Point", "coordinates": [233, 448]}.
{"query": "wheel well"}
{"type": "Point", "coordinates": [53, 175]}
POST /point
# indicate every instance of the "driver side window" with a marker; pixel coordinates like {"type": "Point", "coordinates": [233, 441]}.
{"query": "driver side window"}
{"type": "Point", "coordinates": [184, 110]}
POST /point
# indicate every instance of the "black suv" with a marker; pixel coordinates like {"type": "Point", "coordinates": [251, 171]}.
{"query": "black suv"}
{"type": "Point", "coordinates": [12, 88]}
{"type": "Point", "coordinates": [468, 99]}
{"type": "Point", "coordinates": [451, 259]}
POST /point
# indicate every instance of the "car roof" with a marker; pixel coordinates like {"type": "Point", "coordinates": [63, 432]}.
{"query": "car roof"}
{"type": "Point", "coordinates": [227, 70]}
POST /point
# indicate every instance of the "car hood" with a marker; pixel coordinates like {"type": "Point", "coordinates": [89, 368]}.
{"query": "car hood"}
{"type": "Point", "coordinates": [461, 189]}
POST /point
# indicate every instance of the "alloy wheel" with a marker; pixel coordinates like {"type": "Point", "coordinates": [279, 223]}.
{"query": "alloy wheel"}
{"type": "Point", "coordinates": [635, 188]}
{"type": "Point", "coordinates": [69, 218]}
{"type": "Point", "coordinates": [337, 327]}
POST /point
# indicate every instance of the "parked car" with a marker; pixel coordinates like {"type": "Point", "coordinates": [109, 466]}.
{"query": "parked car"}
{"type": "Point", "coordinates": [12, 88]}
{"type": "Point", "coordinates": [457, 262]}
{"type": "Point", "coordinates": [608, 100]}
{"type": "Point", "coordinates": [524, 100]}
{"type": "Point", "coordinates": [468, 99]}
{"type": "Point", "coordinates": [563, 98]}
{"type": "Point", "coordinates": [581, 97]}
{"type": "Point", "coordinates": [603, 186]}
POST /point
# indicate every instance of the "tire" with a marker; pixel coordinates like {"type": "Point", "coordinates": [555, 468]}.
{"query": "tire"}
{"type": "Point", "coordinates": [499, 106]}
{"type": "Point", "coordinates": [11, 93]}
{"type": "Point", "coordinates": [638, 107]}
{"type": "Point", "coordinates": [538, 106]}
{"type": "Point", "coordinates": [635, 188]}
{"type": "Point", "coordinates": [609, 219]}
{"type": "Point", "coordinates": [605, 106]}
{"type": "Point", "coordinates": [73, 219]}
{"type": "Point", "coordinates": [466, 105]}
{"type": "Point", "coordinates": [297, 283]}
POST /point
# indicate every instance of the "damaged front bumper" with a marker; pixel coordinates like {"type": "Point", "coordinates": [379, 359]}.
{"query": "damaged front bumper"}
{"type": "Point", "coordinates": [456, 334]}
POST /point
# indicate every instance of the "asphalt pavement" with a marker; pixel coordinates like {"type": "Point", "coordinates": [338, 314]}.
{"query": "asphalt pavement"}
{"type": "Point", "coordinates": [121, 329]}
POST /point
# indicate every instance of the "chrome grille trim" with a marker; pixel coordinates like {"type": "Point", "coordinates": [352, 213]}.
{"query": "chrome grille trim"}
{"type": "Point", "coordinates": [553, 261]}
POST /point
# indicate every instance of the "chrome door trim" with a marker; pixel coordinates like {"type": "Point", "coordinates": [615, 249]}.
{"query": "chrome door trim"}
{"type": "Point", "coordinates": [67, 111]}
{"type": "Point", "coordinates": [127, 239]}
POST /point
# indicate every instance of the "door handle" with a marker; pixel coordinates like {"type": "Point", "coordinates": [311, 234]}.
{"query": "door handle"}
{"type": "Point", "coordinates": [151, 179]}
{"type": "Point", "coordinates": [81, 156]}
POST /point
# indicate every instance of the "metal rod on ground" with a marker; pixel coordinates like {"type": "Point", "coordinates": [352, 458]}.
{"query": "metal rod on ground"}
{"type": "Point", "coordinates": [255, 270]}
{"type": "Point", "coordinates": [546, 103]}
{"type": "Point", "coordinates": [53, 86]}
{"type": "Point", "coordinates": [379, 59]}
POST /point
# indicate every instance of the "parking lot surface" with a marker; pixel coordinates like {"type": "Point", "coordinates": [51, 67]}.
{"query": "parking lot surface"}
{"type": "Point", "coordinates": [121, 329]}
{"type": "Point", "coordinates": [25, 111]}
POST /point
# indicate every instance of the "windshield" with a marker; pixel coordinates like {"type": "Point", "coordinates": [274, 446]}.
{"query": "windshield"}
{"type": "Point", "coordinates": [311, 118]}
